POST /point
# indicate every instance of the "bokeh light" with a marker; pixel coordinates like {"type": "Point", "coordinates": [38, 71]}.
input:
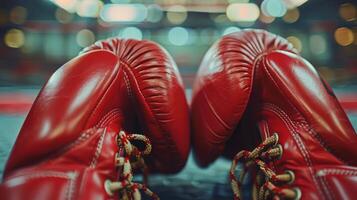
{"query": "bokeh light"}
{"type": "Point", "coordinates": [154, 13]}
{"type": "Point", "coordinates": [132, 33]}
{"type": "Point", "coordinates": [230, 30]}
{"type": "Point", "coordinates": [85, 37]}
{"type": "Point", "coordinates": [18, 15]}
{"type": "Point", "coordinates": [348, 12]}
{"type": "Point", "coordinates": [222, 18]}
{"type": "Point", "coordinates": [296, 42]}
{"type": "Point", "coordinates": [344, 36]}
{"type": "Point", "coordinates": [317, 44]}
{"type": "Point", "coordinates": [178, 36]}
{"type": "Point", "coordinates": [176, 14]}
{"type": "Point", "coordinates": [243, 12]}
{"type": "Point", "coordinates": [266, 19]}
{"type": "Point", "coordinates": [292, 15]}
{"type": "Point", "coordinates": [63, 16]}
{"type": "Point", "coordinates": [274, 8]}
{"type": "Point", "coordinates": [89, 8]}
{"type": "Point", "coordinates": [14, 38]}
{"type": "Point", "coordinates": [123, 13]}
{"type": "Point", "coordinates": [68, 5]}
{"type": "Point", "coordinates": [290, 4]}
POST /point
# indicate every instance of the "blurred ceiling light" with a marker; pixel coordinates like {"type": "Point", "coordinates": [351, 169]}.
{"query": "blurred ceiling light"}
{"type": "Point", "coordinates": [68, 5]}
{"type": "Point", "coordinates": [176, 14]}
{"type": "Point", "coordinates": [348, 12]}
{"type": "Point", "coordinates": [178, 36]}
{"type": "Point", "coordinates": [132, 33]}
{"type": "Point", "coordinates": [230, 30]}
{"type": "Point", "coordinates": [18, 15]}
{"type": "Point", "coordinates": [291, 16]}
{"type": "Point", "coordinates": [266, 19]}
{"type": "Point", "coordinates": [154, 13]}
{"type": "Point", "coordinates": [274, 8]}
{"type": "Point", "coordinates": [244, 12]}
{"type": "Point", "coordinates": [85, 38]}
{"type": "Point", "coordinates": [14, 38]}
{"type": "Point", "coordinates": [294, 3]}
{"type": "Point", "coordinates": [89, 8]}
{"type": "Point", "coordinates": [296, 42]}
{"type": "Point", "coordinates": [63, 16]}
{"type": "Point", "coordinates": [123, 13]}
{"type": "Point", "coordinates": [344, 36]}
{"type": "Point", "coordinates": [317, 44]}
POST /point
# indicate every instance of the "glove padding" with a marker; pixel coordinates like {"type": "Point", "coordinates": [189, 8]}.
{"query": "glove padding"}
{"type": "Point", "coordinates": [114, 85]}
{"type": "Point", "coordinates": [252, 86]}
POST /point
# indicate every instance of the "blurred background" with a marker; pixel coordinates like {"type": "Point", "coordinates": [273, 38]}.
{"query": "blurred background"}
{"type": "Point", "coordinates": [37, 37]}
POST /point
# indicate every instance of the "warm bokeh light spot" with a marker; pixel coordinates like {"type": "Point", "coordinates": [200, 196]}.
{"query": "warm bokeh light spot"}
{"type": "Point", "coordinates": [176, 14]}
{"type": "Point", "coordinates": [18, 15]}
{"type": "Point", "coordinates": [344, 36]}
{"type": "Point", "coordinates": [292, 15]}
{"type": "Point", "coordinates": [296, 42]}
{"type": "Point", "coordinates": [266, 19]}
{"type": "Point", "coordinates": [14, 38]}
{"type": "Point", "coordinates": [123, 13]}
{"type": "Point", "coordinates": [89, 8]}
{"type": "Point", "coordinates": [243, 12]}
{"type": "Point", "coordinates": [348, 12]}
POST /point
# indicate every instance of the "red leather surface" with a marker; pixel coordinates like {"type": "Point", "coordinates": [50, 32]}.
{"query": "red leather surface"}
{"type": "Point", "coordinates": [222, 87]}
{"type": "Point", "coordinates": [272, 91]}
{"type": "Point", "coordinates": [338, 182]}
{"type": "Point", "coordinates": [70, 175]}
{"type": "Point", "coordinates": [161, 108]}
{"type": "Point", "coordinates": [64, 107]}
{"type": "Point", "coordinates": [134, 87]}
{"type": "Point", "coordinates": [141, 82]}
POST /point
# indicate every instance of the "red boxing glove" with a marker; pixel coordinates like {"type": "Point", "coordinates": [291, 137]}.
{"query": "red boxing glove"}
{"type": "Point", "coordinates": [76, 142]}
{"type": "Point", "coordinates": [253, 88]}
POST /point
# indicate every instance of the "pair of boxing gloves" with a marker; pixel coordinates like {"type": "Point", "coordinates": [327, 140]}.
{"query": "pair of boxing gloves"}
{"type": "Point", "coordinates": [120, 107]}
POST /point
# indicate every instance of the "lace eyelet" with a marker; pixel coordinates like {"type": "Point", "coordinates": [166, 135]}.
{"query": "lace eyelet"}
{"type": "Point", "coordinates": [291, 173]}
{"type": "Point", "coordinates": [276, 136]}
{"type": "Point", "coordinates": [298, 193]}
{"type": "Point", "coordinates": [107, 187]}
{"type": "Point", "coordinates": [281, 151]}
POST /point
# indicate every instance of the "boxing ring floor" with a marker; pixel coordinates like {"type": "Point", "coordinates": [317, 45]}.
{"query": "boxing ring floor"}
{"type": "Point", "coordinates": [191, 183]}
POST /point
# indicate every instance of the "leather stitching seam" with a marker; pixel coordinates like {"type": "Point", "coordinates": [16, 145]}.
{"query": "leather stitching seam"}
{"type": "Point", "coordinates": [98, 149]}
{"type": "Point", "coordinates": [275, 109]}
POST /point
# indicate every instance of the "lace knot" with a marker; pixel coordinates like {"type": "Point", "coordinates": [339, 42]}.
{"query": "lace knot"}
{"type": "Point", "coordinates": [129, 157]}
{"type": "Point", "coordinates": [268, 150]}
